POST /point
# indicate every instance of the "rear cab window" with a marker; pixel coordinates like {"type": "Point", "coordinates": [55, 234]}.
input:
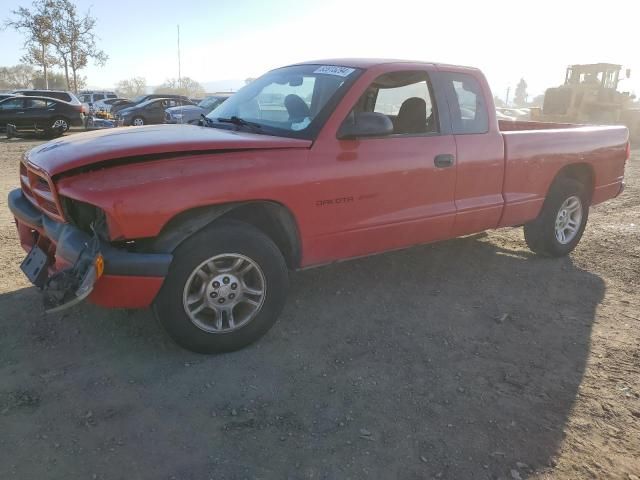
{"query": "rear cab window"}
{"type": "Point", "coordinates": [467, 105]}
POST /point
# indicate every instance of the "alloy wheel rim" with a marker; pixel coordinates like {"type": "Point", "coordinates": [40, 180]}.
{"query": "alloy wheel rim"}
{"type": "Point", "coordinates": [568, 220]}
{"type": "Point", "coordinates": [224, 293]}
{"type": "Point", "coordinates": [138, 122]}
{"type": "Point", "coordinates": [60, 123]}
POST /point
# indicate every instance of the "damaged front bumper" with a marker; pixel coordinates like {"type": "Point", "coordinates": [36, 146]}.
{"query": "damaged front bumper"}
{"type": "Point", "coordinates": [77, 265]}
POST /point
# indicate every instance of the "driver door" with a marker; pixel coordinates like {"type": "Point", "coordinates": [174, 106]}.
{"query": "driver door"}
{"type": "Point", "coordinates": [387, 192]}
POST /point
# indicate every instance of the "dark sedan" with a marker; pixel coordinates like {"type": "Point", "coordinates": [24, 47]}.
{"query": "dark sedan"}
{"type": "Point", "coordinates": [149, 112]}
{"type": "Point", "coordinates": [144, 98]}
{"type": "Point", "coordinates": [40, 113]}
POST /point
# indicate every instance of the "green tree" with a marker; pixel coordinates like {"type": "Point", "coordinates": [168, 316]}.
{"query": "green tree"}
{"type": "Point", "coordinates": [520, 98]}
{"type": "Point", "coordinates": [74, 40]}
{"type": "Point", "coordinates": [37, 26]}
{"type": "Point", "coordinates": [131, 87]}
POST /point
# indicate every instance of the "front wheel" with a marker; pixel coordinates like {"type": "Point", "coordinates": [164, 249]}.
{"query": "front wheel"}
{"type": "Point", "coordinates": [559, 227]}
{"type": "Point", "coordinates": [137, 121]}
{"type": "Point", "coordinates": [225, 289]}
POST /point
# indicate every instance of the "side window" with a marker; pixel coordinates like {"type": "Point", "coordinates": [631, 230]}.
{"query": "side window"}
{"type": "Point", "coordinates": [112, 95]}
{"type": "Point", "coordinates": [466, 101]}
{"type": "Point", "coordinates": [36, 103]}
{"type": "Point", "coordinates": [13, 104]}
{"type": "Point", "coordinates": [406, 98]}
{"type": "Point", "coordinates": [97, 97]}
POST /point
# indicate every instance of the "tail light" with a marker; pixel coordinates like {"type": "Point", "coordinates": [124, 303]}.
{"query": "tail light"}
{"type": "Point", "coordinates": [80, 108]}
{"type": "Point", "coordinates": [39, 190]}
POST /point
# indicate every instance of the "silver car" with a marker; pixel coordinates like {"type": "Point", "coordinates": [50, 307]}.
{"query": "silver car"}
{"type": "Point", "coordinates": [191, 113]}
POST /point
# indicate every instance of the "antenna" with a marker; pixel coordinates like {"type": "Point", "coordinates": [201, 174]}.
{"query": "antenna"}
{"type": "Point", "coordinates": [179, 74]}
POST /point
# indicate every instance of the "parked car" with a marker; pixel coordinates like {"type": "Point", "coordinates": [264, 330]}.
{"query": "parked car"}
{"type": "Point", "coordinates": [204, 223]}
{"type": "Point", "coordinates": [518, 113]}
{"type": "Point", "coordinates": [39, 113]}
{"type": "Point", "coordinates": [192, 113]}
{"type": "Point", "coordinates": [501, 116]}
{"type": "Point", "coordinates": [149, 112]}
{"type": "Point", "coordinates": [104, 106]}
{"type": "Point", "coordinates": [90, 97]}
{"type": "Point", "coordinates": [143, 98]}
{"type": "Point", "coordinates": [63, 95]}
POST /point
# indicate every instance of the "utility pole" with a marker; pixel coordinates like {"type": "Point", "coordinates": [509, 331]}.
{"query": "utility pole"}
{"type": "Point", "coordinates": [179, 72]}
{"type": "Point", "coordinates": [507, 101]}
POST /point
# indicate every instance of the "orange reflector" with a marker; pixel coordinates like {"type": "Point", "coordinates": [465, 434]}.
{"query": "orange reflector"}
{"type": "Point", "coordinates": [99, 264]}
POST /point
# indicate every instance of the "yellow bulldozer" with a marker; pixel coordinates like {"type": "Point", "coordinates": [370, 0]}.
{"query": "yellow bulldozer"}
{"type": "Point", "coordinates": [590, 96]}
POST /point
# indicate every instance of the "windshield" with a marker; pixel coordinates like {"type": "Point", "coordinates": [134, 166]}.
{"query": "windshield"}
{"type": "Point", "coordinates": [291, 101]}
{"type": "Point", "coordinates": [146, 102]}
{"type": "Point", "coordinates": [139, 98]}
{"type": "Point", "coordinates": [209, 102]}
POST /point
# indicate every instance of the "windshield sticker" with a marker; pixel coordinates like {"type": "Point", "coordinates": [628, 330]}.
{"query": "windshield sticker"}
{"type": "Point", "coordinates": [335, 70]}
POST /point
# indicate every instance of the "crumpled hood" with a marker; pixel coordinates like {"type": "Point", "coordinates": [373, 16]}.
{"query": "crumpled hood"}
{"type": "Point", "coordinates": [101, 146]}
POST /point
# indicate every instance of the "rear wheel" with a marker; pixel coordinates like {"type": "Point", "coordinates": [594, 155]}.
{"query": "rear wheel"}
{"type": "Point", "coordinates": [225, 289]}
{"type": "Point", "coordinates": [59, 124]}
{"type": "Point", "coordinates": [559, 227]}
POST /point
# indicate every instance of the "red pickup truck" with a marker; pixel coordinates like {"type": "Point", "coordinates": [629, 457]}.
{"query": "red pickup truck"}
{"type": "Point", "coordinates": [309, 164]}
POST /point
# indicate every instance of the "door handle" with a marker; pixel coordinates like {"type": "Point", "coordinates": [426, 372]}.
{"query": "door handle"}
{"type": "Point", "coordinates": [443, 160]}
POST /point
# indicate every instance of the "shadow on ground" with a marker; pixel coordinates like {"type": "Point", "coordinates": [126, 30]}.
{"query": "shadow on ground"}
{"type": "Point", "coordinates": [454, 360]}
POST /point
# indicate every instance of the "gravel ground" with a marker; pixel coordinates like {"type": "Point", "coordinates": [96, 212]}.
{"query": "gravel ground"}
{"type": "Point", "coordinates": [465, 359]}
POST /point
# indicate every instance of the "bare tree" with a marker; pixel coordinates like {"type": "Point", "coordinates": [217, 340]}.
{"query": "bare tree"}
{"type": "Point", "coordinates": [57, 81]}
{"type": "Point", "coordinates": [131, 87]}
{"type": "Point", "coordinates": [37, 25]}
{"type": "Point", "coordinates": [18, 76]}
{"type": "Point", "coordinates": [186, 86]}
{"type": "Point", "coordinates": [74, 40]}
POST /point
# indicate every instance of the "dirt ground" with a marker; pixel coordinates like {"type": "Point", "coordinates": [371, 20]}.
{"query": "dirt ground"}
{"type": "Point", "coordinates": [467, 359]}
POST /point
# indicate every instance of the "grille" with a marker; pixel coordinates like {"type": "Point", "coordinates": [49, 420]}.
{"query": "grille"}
{"type": "Point", "coordinates": [39, 191]}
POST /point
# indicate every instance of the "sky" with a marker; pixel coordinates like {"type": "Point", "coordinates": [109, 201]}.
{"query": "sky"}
{"type": "Point", "coordinates": [227, 41]}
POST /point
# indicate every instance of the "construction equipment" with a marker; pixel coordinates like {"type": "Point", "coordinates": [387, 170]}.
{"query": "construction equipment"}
{"type": "Point", "coordinates": [590, 96]}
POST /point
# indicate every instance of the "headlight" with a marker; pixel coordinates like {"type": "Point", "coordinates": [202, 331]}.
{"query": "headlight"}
{"type": "Point", "coordinates": [83, 215]}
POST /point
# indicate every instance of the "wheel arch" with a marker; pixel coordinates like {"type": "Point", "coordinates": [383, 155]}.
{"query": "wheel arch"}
{"type": "Point", "coordinates": [272, 218]}
{"type": "Point", "coordinates": [582, 172]}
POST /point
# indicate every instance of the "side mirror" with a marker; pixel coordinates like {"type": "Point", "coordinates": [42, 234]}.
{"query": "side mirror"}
{"type": "Point", "coordinates": [365, 124]}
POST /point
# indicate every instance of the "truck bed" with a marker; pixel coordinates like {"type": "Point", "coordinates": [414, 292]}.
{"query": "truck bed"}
{"type": "Point", "coordinates": [536, 151]}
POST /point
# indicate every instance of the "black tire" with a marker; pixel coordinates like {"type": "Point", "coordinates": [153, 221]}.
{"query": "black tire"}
{"type": "Point", "coordinates": [222, 237]}
{"type": "Point", "coordinates": [540, 234]}
{"type": "Point", "coordinates": [54, 130]}
{"type": "Point", "coordinates": [138, 117]}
